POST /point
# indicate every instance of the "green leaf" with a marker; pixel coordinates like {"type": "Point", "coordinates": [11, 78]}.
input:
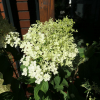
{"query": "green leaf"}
{"type": "Point", "coordinates": [80, 42]}
{"type": "Point", "coordinates": [64, 82]}
{"type": "Point", "coordinates": [86, 91]}
{"type": "Point", "coordinates": [64, 94]}
{"type": "Point", "coordinates": [59, 87]}
{"type": "Point", "coordinates": [52, 82]}
{"type": "Point", "coordinates": [57, 80]}
{"type": "Point", "coordinates": [82, 52]}
{"type": "Point", "coordinates": [44, 96]}
{"type": "Point", "coordinates": [31, 80]}
{"type": "Point", "coordinates": [48, 96]}
{"type": "Point", "coordinates": [22, 67]}
{"type": "Point", "coordinates": [45, 86]}
{"type": "Point", "coordinates": [68, 74]}
{"type": "Point", "coordinates": [41, 95]}
{"type": "Point", "coordinates": [36, 90]}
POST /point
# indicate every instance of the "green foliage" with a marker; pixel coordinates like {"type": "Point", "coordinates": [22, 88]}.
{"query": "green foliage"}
{"type": "Point", "coordinates": [45, 87]}
{"type": "Point", "coordinates": [5, 27]}
{"type": "Point", "coordinates": [36, 90]}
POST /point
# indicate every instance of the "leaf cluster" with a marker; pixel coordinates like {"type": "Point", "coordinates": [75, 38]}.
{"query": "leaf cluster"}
{"type": "Point", "coordinates": [5, 27]}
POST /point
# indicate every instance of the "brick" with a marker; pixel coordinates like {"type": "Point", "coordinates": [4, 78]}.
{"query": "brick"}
{"type": "Point", "coordinates": [22, 6]}
{"type": "Point", "coordinates": [25, 23]}
{"type": "Point", "coordinates": [1, 7]}
{"type": "Point", "coordinates": [24, 31]}
{"type": "Point", "coordinates": [24, 15]}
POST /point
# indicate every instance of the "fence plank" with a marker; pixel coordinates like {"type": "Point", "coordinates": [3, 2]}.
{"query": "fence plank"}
{"type": "Point", "coordinates": [46, 8]}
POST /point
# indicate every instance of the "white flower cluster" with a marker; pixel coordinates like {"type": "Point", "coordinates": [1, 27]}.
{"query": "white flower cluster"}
{"type": "Point", "coordinates": [11, 38]}
{"type": "Point", "coordinates": [53, 42]}
{"type": "Point", "coordinates": [36, 72]}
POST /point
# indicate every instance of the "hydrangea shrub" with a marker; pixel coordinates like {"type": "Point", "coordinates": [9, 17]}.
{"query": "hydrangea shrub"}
{"type": "Point", "coordinates": [45, 46]}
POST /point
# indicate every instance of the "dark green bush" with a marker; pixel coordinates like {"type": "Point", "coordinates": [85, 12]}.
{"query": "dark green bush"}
{"type": "Point", "coordinates": [5, 27]}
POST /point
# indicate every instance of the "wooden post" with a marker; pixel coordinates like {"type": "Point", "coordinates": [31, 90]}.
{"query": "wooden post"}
{"type": "Point", "coordinates": [46, 10]}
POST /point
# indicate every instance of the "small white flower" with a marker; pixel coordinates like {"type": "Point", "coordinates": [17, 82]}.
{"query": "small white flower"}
{"type": "Point", "coordinates": [36, 48]}
{"type": "Point", "coordinates": [28, 58]}
{"type": "Point", "coordinates": [31, 68]}
{"type": "Point", "coordinates": [39, 79]}
{"type": "Point", "coordinates": [38, 70]}
{"type": "Point", "coordinates": [44, 68]}
{"type": "Point", "coordinates": [24, 72]}
{"type": "Point", "coordinates": [8, 42]}
{"type": "Point", "coordinates": [26, 63]}
{"type": "Point", "coordinates": [33, 63]}
{"type": "Point", "coordinates": [17, 42]}
{"type": "Point", "coordinates": [46, 77]}
{"type": "Point", "coordinates": [55, 72]}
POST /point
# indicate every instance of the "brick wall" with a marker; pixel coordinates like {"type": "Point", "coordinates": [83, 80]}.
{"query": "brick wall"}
{"type": "Point", "coordinates": [24, 16]}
